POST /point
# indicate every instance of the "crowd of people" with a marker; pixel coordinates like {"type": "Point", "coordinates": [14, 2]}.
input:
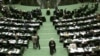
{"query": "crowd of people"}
{"type": "Point", "coordinates": [11, 12]}
{"type": "Point", "coordinates": [83, 11]}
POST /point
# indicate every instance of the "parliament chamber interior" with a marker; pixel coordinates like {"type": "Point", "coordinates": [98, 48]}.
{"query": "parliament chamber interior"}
{"type": "Point", "coordinates": [74, 25]}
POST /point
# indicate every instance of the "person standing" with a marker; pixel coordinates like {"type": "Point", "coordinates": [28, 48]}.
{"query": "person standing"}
{"type": "Point", "coordinates": [52, 47]}
{"type": "Point", "coordinates": [35, 40]}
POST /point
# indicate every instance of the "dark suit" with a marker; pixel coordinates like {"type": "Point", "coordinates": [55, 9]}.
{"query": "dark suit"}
{"type": "Point", "coordinates": [52, 46]}
{"type": "Point", "coordinates": [37, 43]}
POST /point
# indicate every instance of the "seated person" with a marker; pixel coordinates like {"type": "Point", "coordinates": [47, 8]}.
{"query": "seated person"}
{"type": "Point", "coordinates": [98, 16]}
{"type": "Point", "coordinates": [72, 45]}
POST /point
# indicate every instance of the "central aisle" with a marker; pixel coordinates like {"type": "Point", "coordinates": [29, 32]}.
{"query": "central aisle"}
{"type": "Point", "coordinates": [46, 32]}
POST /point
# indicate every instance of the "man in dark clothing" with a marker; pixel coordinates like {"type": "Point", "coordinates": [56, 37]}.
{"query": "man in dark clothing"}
{"type": "Point", "coordinates": [37, 42]}
{"type": "Point", "coordinates": [52, 46]}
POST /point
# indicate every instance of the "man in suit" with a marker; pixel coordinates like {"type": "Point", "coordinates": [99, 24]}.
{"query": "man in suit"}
{"type": "Point", "coordinates": [37, 43]}
{"type": "Point", "coordinates": [52, 46]}
{"type": "Point", "coordinates": [48, 12]}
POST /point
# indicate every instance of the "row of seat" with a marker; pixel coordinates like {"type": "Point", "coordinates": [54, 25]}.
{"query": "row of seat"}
{"type": "Point", "coordinates": [16, 29]}
{"type": "Point", "coordinates": [88, 39]}
{"type": "Point", "coordinates": [87, 51]}
{"type": "Point", "coordinates": [83, 40]}
{"type": "Point", "coordinates": [7, 43]}
{"type": "Point", "coordinates": [16, 51]}
{"type": "Point", "coordinates": [78, 32]}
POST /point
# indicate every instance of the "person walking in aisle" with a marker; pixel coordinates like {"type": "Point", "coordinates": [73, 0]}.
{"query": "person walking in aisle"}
{"type": "Point", "coordinates": [52, 47]}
